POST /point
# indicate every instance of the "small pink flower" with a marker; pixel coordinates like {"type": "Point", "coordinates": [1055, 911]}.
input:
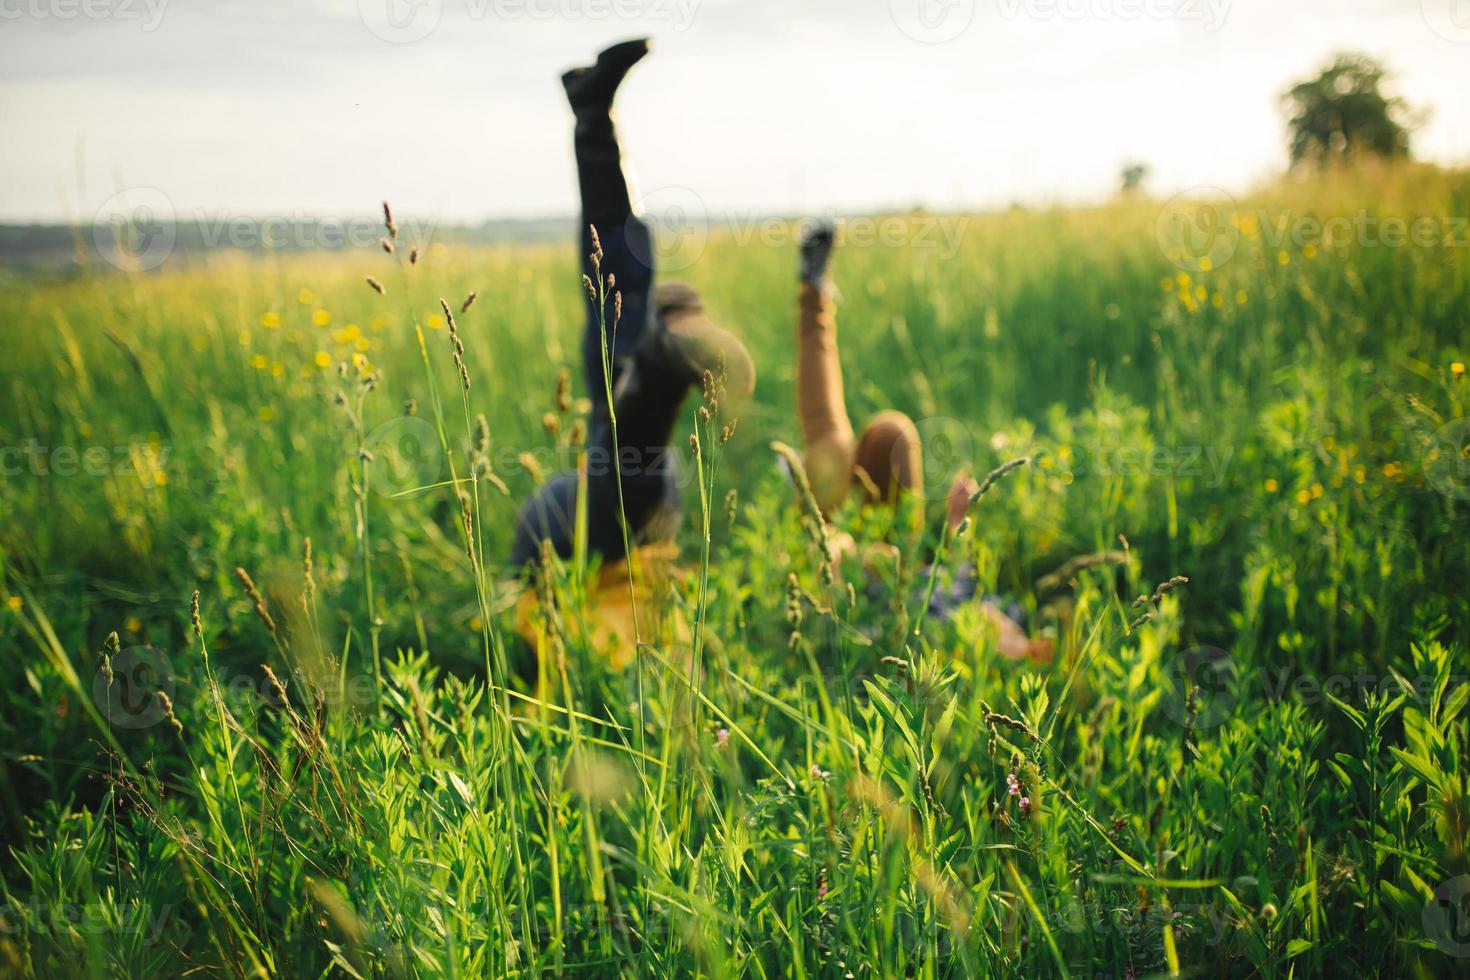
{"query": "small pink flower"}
{"type": "Point", "coordinates": [1025, 806]}
{"type": "Point", "coordinates": [818, 772]}
{"type": "Point", "coordinates": [821, 889]}
{"type": "Point", "coordinates": [1013, 785]}
{"type": "Point", "coordinates": [722, 738]}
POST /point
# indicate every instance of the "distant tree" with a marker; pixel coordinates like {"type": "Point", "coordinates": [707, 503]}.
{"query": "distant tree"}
{"type": "Point", "coordinates": [1343, 114]}
{"type": "Point", "coordinates": [1133, 177]}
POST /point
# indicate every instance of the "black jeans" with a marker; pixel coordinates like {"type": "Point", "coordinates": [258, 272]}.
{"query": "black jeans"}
{"type": "Point", "coordinates": [647, 395]}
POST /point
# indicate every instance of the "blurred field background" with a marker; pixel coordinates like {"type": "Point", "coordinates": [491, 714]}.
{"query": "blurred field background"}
{"type": "Point", "coordinates": [1264, 775]}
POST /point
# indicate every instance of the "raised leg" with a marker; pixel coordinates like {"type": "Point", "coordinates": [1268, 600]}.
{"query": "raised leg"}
{"type": "Point", "coordinates": [820, 402]}
{"type": "Point", "coordinates": [626, 242]}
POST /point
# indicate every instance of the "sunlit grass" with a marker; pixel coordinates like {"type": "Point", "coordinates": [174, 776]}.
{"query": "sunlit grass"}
{"type": "Point", "coordinates": [796, 773]}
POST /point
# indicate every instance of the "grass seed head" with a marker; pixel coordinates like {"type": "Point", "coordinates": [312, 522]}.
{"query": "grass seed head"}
{"type": "Point", "coordinates": [259, 600]}
{"type": "Point", "coordinates": [167, 704]}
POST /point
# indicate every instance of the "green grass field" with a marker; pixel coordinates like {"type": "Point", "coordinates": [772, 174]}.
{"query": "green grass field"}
{"type": "Point", "coordinates": [1260, 772]}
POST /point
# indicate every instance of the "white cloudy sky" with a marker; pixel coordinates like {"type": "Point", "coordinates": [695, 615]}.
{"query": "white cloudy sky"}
{"type": "Point", "coordinates": [273, 107]}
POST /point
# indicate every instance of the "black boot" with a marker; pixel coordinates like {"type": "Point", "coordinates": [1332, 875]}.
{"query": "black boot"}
{"type": "Point", "coordinates": [590, 90]}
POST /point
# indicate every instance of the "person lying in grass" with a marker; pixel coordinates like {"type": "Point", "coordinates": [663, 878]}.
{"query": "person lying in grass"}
{"type": "Point", "coordinates": [884, 461]}
{"type": "Point", "coordinates": [659, 345]}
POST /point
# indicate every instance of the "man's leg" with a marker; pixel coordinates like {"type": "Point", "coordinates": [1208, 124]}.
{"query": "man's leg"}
{"type": "Point", "coordinates": [625, 241]}
{"type": "Point", "coordinates": [657, 354]}
{"type": "Point", "coordinates": [673, 356]}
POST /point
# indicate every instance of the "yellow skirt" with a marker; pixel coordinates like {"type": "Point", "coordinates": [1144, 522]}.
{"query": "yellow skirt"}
{"type": "Point", "coordinates": [616, 617]}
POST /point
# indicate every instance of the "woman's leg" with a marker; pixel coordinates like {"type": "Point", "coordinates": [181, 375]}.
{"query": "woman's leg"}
{"type": "Point", "coordinates": [820, 404]}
